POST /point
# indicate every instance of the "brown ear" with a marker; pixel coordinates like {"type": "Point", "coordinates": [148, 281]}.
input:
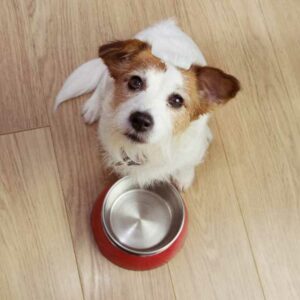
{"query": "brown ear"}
{"type": "Point", "coordinates": [116, 55]}
{"type": "Point", "coordinates": [215, 85]}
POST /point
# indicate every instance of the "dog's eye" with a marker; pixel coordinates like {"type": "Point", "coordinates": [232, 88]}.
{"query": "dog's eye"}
{"type": "Point", "coordinates": [175, 100]}
{"type": "Point", "coordinates": [135, 83]}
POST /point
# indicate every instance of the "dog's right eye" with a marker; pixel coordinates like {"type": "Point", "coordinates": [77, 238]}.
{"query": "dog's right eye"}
{"type": "Point", "coordinates": [175, 100]}
{"type": "Point", "coordinates": [135, 83]}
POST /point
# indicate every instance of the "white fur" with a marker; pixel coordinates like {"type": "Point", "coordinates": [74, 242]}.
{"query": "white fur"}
{"type": "Point", "coordinates": [92, 108]}
{"type": "Point", "coordinates": [82, 80]}
{"type": "Point", "coordinates": [183, 178]}
{"type": "Point", "coordinates": [172, 45]}
{"type": "Point", "coordinates": [173, 157]}
{"type": "Point", "coordinates": [153, 100]}
{"type": "Point", "coordinates": [165, 156]}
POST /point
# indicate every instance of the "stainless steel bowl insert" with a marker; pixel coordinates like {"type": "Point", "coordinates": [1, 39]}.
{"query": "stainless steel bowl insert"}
{"type": "Point", "coordinates": [142, 221]}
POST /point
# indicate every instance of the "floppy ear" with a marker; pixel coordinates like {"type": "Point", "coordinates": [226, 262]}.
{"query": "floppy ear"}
{"type": "Point", "coordinates": [215, 86]}
{"type": "Point", "coordinates": [117, 55]}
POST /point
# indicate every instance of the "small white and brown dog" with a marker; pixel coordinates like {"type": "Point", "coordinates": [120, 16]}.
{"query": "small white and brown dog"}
{"type": "Point", "coordinates": [153, 95]}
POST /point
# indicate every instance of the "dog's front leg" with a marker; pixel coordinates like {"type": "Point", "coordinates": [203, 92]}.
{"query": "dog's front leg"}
{"type": "Point", "coordinates": [91, 110]}
{"type": "Point", "coordinates": [183, 178]}
{"type": "Point", "coordinates": [92, 107]}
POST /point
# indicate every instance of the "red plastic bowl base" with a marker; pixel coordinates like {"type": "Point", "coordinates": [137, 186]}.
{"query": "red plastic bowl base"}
{"type": "Point", "coordinates": [125, 259]}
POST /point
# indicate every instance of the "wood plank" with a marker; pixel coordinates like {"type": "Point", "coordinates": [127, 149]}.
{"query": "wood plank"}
{"type": "Point", "coordinates": [260, 133]}
{"type": "Point", "coordinates": [257, 41]}
{"type": "Point", "coordinates": [36, 253]}
{"type": "Point", "coordinates": [74, 35]}
{"type": "Point", "coordinates": [216, 262]}
{"type": "Point", "coordinates": [21, 99]}
{"type": "Point", "coordinates": [282, 22]}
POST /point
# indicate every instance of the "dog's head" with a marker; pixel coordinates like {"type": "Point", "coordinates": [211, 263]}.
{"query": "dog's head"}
{"type": "Point", "coordinates": [154, 100]}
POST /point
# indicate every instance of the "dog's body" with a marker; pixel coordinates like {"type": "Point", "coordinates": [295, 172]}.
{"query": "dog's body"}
{"type": "Point", "coordinates": [153, 95]}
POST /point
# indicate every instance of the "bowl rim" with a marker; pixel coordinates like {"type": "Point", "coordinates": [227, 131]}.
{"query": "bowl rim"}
{"type": "Point", "coordinates": [118, 244]}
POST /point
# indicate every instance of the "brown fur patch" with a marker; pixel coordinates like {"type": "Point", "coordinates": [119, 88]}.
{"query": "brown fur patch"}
{"type": "Point", "coordinates": [181, 122]}
{"type": "Point", "coordinates": [215, 85]}
{"type": "Point", "coordinates": [121, 93]}
{"type": "Point", "coordinates": [207, 87]}
{"type": "Point", "coordinates": [196, 106]}
{"type": "Point", "coordinates": [122, 59]}
{"type": "Point", "coordinates": [193, 106]}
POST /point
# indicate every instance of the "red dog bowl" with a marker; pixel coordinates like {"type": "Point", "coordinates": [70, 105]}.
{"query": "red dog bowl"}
{"type": "Point", "coordinates": [139, 229]}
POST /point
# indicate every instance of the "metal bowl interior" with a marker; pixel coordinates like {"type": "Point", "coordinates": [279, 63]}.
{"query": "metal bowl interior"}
{"type": "Point", "coordinates": [142, 221]}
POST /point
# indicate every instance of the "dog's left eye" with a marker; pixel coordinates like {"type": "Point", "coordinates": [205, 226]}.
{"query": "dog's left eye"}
{"type": "Point", "coordinates": [135, 83]}
{"type": "Point", "coordinates": [175, 100]}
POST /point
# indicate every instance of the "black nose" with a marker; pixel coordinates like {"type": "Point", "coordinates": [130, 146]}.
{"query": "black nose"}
{"type": "Point", "coordinates": [141, 121]}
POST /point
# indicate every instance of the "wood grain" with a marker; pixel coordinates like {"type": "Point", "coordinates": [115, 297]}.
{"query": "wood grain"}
{"type": "Point", "coordinates": [21, 99]}
{"type": "Point", "coordinates": [216, 261]}
{"type": "Point", "coordinates": [261, 141]}
{"type": "Point", "coordinates": [36, 253]}
{"type": "Point", "coordinates": [282, 22]}
{"type": "Point", "coordinates": [244, 214]}
{"type": "Point", "coordinates": [68, 44]}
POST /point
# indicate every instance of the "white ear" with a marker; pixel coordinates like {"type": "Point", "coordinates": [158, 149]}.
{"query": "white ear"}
{"type": "Point", "coordinates": [82, 80]}
{"type": "Point", "coordinates": [172, 45]}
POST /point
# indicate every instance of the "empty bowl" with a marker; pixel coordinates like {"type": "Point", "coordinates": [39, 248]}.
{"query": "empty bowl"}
{"type": "Point", "coordinates": [139, 228]}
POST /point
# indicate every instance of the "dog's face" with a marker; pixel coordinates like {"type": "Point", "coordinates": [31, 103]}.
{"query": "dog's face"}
{"type": "Point", "coordinates": [154, 100]}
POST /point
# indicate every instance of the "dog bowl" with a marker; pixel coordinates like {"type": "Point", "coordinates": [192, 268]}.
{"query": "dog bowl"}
{"type": "Point", "coordinates": [137, 228]}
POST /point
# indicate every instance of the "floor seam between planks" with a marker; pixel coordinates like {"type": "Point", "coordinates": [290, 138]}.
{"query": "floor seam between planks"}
{"type": "Point", "coordinates": [23, 130]}
{"type": "Point", "coordinates": [171, 278]}
{"type": "Point", "coordinates": [33, 45]}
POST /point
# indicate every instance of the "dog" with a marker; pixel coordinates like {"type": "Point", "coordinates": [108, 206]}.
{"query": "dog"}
{"type": "Point", "coordinates": [153, 96]}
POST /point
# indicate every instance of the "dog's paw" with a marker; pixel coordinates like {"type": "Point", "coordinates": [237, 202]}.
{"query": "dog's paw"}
{"type": "Point", "coordinates": [92, 108]}
{"type": "Point", "coordinates": [90, 113]}
{"type": "Point", "coordinates": [209, 136]}
{"type": "Point", "coordinates": [183, 179]}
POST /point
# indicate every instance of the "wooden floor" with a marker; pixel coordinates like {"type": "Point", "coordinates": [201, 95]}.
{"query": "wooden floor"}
{"type": "Point", "coordinates": [244, 207]}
